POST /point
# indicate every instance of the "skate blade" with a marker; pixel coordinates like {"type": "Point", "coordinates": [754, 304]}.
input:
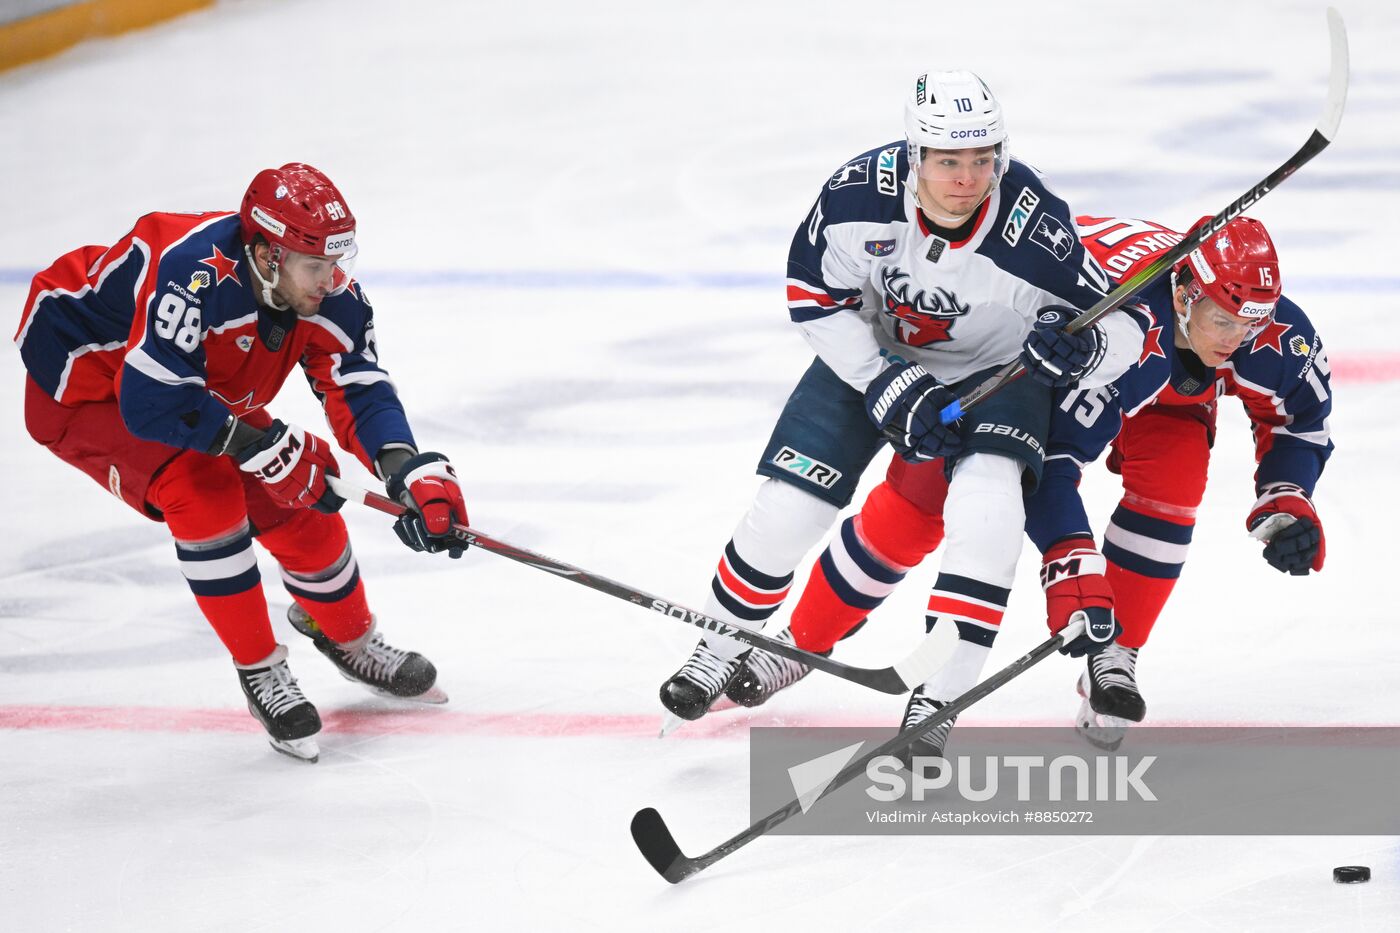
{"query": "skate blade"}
{"type": "Point", "coordinates": [670, 722]}
{"type": "Point", "coordinates": [1100, 731]}
{"type": "Point", "coordinates": [433, 696]}
{"type": "Point", "coordinates": [301, 749]}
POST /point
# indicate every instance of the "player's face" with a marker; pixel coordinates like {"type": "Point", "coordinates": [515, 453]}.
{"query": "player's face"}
{"type": "Point", "coordinates": [1214, 332]}
{"type": "Point", "coordinates": [306, 280]}
{"type": "Point", "coordinates": [954, 182]}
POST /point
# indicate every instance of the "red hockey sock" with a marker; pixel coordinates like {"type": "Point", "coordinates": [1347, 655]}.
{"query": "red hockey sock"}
{"type": "Point", "coordinates": [320, 572]}
{"type": "Point", "coordinates": [1137, 602]}
{"type": "Point", "coordinates": [861, 566]}
{"type": "Point", "coordinates": [202, 503]}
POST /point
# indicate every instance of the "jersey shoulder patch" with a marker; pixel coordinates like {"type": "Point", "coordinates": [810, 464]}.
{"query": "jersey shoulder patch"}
{"type": "Point", "coordinates": [868, 188]}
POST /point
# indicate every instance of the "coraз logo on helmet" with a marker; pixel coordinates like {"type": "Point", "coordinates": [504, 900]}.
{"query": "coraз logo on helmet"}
{"type": "Point", "coordinates": [340, 243]}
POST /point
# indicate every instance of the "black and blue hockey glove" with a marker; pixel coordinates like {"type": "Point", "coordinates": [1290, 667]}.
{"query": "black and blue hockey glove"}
{"type": "Point", "coordinates": [1055, 358]}
{"type": "Point", "coordinates": [904, 403]}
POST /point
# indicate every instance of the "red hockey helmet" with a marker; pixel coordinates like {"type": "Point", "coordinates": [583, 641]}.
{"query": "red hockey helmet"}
{"type": "Point", "coordinates": [298, 208]}
{"type": "Point", "coordinates": [1237, 268]}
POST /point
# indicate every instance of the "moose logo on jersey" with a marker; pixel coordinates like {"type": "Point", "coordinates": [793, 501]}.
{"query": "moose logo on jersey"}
{"type": "Point", "coordinates": [852, 173]}
{"type": "Point", "coordinates": [925, 317]}
{"type": "Point", "coordinates": [1049, 234]}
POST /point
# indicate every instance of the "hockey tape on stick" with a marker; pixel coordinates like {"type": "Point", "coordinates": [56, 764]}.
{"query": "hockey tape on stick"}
{"type": "Point", "coordinates": [1321, 136]}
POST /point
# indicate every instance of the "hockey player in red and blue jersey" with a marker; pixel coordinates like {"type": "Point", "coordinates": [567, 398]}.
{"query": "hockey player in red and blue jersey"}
{"type": "Point", "coordinates": [924, 266]}
{"type": "Point", "coordinates": [1225, 328]}
{"type": "Point", "coordinates": [1219, 325]}
{"type": "Point", "coordinates": [150, 365]}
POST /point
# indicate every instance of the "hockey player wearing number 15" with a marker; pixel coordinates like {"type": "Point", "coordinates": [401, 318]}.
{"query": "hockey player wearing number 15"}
{"type": "Point", "coordinates": [925, 265]}
{"type": "Point", "coordinates": [149, 365]}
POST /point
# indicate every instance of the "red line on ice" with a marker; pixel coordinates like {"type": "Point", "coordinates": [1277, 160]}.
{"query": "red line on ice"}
{"type": "Point", "coordinates": [431, 721]}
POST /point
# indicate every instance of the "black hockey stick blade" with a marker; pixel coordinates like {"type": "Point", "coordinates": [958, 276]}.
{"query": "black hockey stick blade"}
{"type": "Point", "coordinates": [653, 837]}
{"type": "Point", "coordinates": [1322, 135]}
{"type": "Point", "coordinates": [897, 679]}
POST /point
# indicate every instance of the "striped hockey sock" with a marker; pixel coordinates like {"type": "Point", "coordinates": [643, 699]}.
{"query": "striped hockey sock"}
{"type": "Point", "coordinates": [222, 573]}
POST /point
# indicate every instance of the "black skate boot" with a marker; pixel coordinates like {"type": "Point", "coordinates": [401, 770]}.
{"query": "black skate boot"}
{"type": "Point", "coordinates": [1112, 702]}
{"type": "Point", "coordinates": [763, 674]}
{"type": "Point", "coordinates": [693, 689]}
{"type": "Point", "coordinates": [920, 708]}
{"type": "Point", "coordinates": [369, 660]}
{"type": "Point", "coordinates": [277, 702]}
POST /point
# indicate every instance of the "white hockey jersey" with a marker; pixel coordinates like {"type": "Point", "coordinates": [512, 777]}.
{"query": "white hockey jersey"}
{"type": "Point", "coordinates": [870, 284]}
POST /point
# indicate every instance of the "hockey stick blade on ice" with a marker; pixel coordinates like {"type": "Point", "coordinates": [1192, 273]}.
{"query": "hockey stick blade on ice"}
{"type": "Point", "coordinates": [653, 837]}
{"type": "Point", "coordinates": [1322, 135]}
{"type": "Point", "coordinates": [901, 678]}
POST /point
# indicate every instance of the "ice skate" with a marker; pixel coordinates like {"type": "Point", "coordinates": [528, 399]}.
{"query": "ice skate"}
{"type": "Point", "coordinates": [277, 702]}
{"type": "Point", "coordinates": [693, 689]}
{"type": "Point", "coordinates": [369, 660]}
{"type": "Point", "coordinates": [763, 674]}
{"type": "Point", "coordinates": [1112, 702]}
{"type": "Point", "coordinates": [921, 707]}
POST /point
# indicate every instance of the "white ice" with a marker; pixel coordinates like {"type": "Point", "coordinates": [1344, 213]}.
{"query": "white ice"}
{"type": "Point", "coordinates": [573, 220]}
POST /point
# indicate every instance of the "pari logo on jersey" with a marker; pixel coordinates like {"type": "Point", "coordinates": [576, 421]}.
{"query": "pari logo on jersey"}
{"type": "Point", "coordinates": [856, 172]}
{"type": "Point", "coordinates": [1050, 235]}
{"type": "Point", "coordinates": [886, 178]}
{"type": "Point", "coordinates": [1021, 211]}
{"type": "Point", "coordinates": [925, 317]}
{"type": "Point", "coordinates": [879, 247]}
{"type": "Point", "coordinates": [806, 467]}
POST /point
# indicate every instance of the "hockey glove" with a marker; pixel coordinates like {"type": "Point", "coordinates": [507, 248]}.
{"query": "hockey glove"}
{"type": "Point", "coordinates": [1072, 576]}
{"type": "Point", "coordinates": [1283, 518]}
{"type": "Point", "coordinates": [292, 464]}
{"type": "Point", "coordinates": [427, 484]}
{"type": "Point", "coordinates": [1056, 358]}
{"type": "Point", "coordinates": [904, 402]}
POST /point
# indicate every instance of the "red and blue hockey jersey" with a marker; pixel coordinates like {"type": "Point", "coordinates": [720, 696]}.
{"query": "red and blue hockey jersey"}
{"type": "Point", "coordinates": [165, 323]}
{"type": "Point", "coordinates": [1280, 374]}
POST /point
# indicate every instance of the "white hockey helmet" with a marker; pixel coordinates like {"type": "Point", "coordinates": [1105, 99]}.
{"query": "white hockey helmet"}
{"type": "Point", "coordinates": [954, 110]}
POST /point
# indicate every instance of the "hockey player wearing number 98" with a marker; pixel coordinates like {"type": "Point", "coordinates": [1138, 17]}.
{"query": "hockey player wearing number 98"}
{"type": "Point", "coordinates": [924, 266]}
{"type": "Point", "coordinates": [149, 365]}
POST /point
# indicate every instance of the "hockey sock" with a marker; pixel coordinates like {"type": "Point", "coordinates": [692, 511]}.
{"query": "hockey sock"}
{"type": "Point", "coordinates": [984, 518]}
{"type": "Point", "coordinates": [202, 502]}
{"type": "Point", "coordinates": [1145, 555]}
{"type": "Point", "coordinates": [320, 572]}
{"type": "Point", "coordinates": [756, 570]}
{"type": "Point", "coordinates": [222, 572]}
{"type": "Point", "coordinates": [861, 566]}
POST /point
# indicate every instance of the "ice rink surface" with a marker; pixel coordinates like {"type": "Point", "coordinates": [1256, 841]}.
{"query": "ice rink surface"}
{"type": "Point", "coordinates": [573, 225]}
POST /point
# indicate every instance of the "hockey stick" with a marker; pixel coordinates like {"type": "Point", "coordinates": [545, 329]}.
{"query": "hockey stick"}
{"type": "Point", "coordinates": [658, 846]}
{"type": "Point", "coordinates": [901, 678]}
{"type": "Point", "coordinates": [1321, 136]}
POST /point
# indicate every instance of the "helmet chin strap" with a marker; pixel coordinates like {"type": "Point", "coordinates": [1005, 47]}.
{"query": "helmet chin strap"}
{"type": "Point", "coordinates": [267, 287]}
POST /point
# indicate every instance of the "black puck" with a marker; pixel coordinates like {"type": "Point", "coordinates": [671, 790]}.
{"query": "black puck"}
{"type": "Point", "coordinates": [1351, 874]}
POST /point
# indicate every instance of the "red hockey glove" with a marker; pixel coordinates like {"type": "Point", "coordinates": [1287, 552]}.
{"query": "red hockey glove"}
{"type": "Point", "coordinates": [1283, 518]}
{"type": "Point", "coordinates": [427, 484]}
{"type": "Point", "coordinates": [292, 464]}
{"type": "Point", "coordinates": [1072, 576]}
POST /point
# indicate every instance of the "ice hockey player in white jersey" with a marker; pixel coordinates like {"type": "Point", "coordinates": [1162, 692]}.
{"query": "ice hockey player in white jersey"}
{"type": "Point", "coordinates": [924, 266]}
